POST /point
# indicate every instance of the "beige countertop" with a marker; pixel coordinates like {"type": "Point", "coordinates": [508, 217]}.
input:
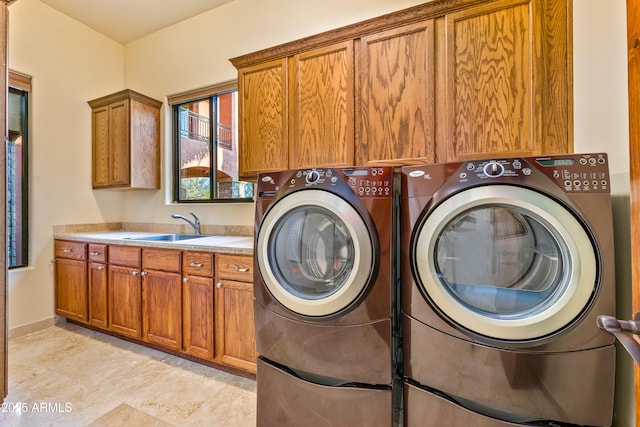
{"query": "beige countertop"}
{"type": "Point", "coordinates": [239, 245]}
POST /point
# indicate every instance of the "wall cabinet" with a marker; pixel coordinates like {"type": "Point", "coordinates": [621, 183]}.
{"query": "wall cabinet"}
{"type": "Point", "coordinates": [97, 266]}
{"type": "Point", "coordinates": [235, 329]}
{"type": "Point", "coordinates": [448, 80]}
{"type": "Point", "coordinates": [198, 304]}
{"type": "Point", "coordinates": [125, 141]}
{"type": "Point", "coordinates": [71, 280]}
{"type": "Point", "coordinates": [125, 291]}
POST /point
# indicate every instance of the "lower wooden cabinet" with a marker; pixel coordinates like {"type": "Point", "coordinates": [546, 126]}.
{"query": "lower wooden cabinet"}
{"type": "Point", "coordinates": [71, 280]}
{"type": "Point", "coordinates": [164, 297]}
{"type": "Point", "coordinates": [125, 301]}
{"type": "Point", "coordinates": [235, 330]}
{"type": "Point", "coordinates": [97, 295]}
{"type": "Point", "coordinates": [197, 312]}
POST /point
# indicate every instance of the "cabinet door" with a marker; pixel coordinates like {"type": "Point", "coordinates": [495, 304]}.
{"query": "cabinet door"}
{"type": "Point", "coordinates": [321, 120]}
{"type": "Point", "coordinates": [98, 315]}
{"type": "Point", "coordinates": [506, 80]}
{"type": "Point", "coordinates": [101, 147]}
{"type": "Point", "coordinates": [397, 96]}
{"type": "Point", "coordinates": [162, 313]}
{"type": "Point", "coordinates": [119, 137]}
{"type": "Point", "coordinates": [197, 300]}
{"type": "Point", "coordinates": [234, 328]}
{"type": "Point", "coordinates": [125, 299]}
{"type": "Point", "coordinates": [263, 111]}
{"type": "Point", "coordinates": [71, 288]}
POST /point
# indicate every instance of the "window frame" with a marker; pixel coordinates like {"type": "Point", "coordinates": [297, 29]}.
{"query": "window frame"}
{"type": "Point", "coordinates": [174, 101]}
{"type": "Point", "coordinates": [21, 84]}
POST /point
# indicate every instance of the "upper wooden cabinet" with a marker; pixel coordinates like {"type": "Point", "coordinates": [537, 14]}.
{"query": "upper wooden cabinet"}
{"type": "Point", "coordinates": [263, 117]}
{"type": "Point", "coordinates": [444, 81]}
{"type": "Point", "coordinates": [125, 141]}
{"type": "Point", "coordinates": [397, 96]}
{"type": "Point", "coordinates": [321, 117]}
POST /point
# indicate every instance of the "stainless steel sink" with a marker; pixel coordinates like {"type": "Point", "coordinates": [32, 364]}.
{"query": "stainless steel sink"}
{"type": "Point", "coordinates": [169, 237]}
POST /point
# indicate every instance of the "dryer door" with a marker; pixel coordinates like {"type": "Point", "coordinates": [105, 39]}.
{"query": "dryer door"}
{"type": "Point", "coordinates": [505, 262]}
{"type": "Point", "coordinates": [315, 253]}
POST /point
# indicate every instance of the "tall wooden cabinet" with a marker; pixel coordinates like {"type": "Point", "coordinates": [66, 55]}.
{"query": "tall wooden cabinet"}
{"type": "Point", "coordinates": [125, 141]}
{"type": "Point", "coordinates": [444, 81]}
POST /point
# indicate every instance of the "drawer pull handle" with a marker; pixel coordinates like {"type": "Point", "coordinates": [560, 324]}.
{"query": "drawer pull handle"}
{"type": "Point", "coordinates": [66, 251]}
{"type": "Point", "coordinates": [241, 269]}
{"type": "Point", "coordinates": [94, 253]}
{"type": "Point", "coordinates": [193, 264]}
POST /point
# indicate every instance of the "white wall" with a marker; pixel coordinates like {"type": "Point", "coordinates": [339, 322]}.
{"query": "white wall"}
{"type": "Point", "coordinates": [601, 123]}
{"type": "Point", "coordinates": [71, 64]}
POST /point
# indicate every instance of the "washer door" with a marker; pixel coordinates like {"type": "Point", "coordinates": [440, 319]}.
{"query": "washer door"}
{"type": "Point", "coordinates": [315, 253]}
{"type": "Point", "coordinates": [505, 262]}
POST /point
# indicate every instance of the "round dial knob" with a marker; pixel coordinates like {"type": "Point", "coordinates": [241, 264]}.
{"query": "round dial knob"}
{"type": "Point", "coordinates": [313, 177]}
{"type": "Point", "coordinates": [493, 169]}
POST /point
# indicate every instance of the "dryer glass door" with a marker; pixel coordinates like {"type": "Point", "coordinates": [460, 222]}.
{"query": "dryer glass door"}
{"type": "Point", "coordinates": [506, 262]}
{"type": "Point", "coordinates": [314, 253]}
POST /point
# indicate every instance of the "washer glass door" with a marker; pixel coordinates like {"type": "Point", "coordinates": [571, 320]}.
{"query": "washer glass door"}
{"type": "Point", "coordinates": [506, 262]}
{"type": "Point", "coordinates": [315, 253]}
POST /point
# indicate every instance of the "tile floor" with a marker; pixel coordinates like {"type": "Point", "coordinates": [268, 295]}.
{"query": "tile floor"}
{"type": "Point", "coordinates": [68, 376]}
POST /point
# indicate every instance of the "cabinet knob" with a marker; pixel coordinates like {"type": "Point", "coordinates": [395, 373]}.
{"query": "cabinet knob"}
{"type": "Point", "coordinates": [185, 279]}
{"type": "Point", "coordinates": [134, 273]}
{"type": "Point", "coordinates": [143, 273]}
{"type": "Point", "coordinates": [100, 267]}
{"type": "Point", "coordinates": [219, 285]}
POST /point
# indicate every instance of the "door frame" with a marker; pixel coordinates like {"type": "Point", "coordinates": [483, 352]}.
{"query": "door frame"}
{"type": "Point", "coordinates": [633, 57]}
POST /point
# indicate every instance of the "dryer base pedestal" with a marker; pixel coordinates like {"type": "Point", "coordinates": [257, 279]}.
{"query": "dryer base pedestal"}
{"type": "Point", "coordinates": [287, 400]}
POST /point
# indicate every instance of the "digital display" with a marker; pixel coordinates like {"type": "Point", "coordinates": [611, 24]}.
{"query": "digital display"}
{"type": "Point", "coordinates": [356, 172]}
{"type": "Point", "coordinates": [556, 162]}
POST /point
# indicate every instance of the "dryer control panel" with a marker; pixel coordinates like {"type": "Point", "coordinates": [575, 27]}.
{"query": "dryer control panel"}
{"type": "Point", "coordinates": [572, 172]}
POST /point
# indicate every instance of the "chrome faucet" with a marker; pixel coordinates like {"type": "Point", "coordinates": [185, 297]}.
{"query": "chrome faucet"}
{"type": "Point", "coordinates": [195, 223]}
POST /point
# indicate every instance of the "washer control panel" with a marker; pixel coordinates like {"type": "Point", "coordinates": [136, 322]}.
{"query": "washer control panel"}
{"type": "Point", "coordinates": [364, 181]}
{"type": "Point", "coordinates": [572, 172]}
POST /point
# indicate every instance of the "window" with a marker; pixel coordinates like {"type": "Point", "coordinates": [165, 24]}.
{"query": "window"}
{"type": "Point", "coordinates": [17, 170]}
{"type": "Point", "coordinates": [205, 151]}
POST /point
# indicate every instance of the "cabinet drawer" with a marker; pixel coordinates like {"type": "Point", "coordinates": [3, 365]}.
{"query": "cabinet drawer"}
{"type": "Point", "coordinates": [97, 253]}
{"type": "Point", "coordinates": [128, 256]}
{"type": "Point", "coordinates": [161, 259]}
{"type": "Point", "coordinates": [235, 267]}
{"type": "Point", "coordinates": [198, 263]}
{"type": "Point", "coordinates": [70, 250]}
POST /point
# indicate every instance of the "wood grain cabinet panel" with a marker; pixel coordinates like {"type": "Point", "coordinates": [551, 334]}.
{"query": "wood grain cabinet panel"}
{"type": "Point", "coordinates": [125, 300]}
{"type": "Point", "coordinates": [125, 141]}
{"type": "Point", "coordinates": [263, 117]}
{"type": "Point", "coordinates": [506, 80]}
{"type": "Point", "coordinates": [198, 316]}
{"type": "Point", "coordinates": [162, 297]}
{"type": "Point", "coordinates": [397, 96]}
{"type": "Point", "coordinates": [97, 295]}
{"type": "Point", "coordinates": [235, 330]}
{"type": "Point", "coordinates": [235, 342]}
{"type": "Point", "coordinates": [71, 280]}
{"type": "Point", "coordinates": [124, 289]}
{"type": "Point", "coordinates": [322, 107]}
